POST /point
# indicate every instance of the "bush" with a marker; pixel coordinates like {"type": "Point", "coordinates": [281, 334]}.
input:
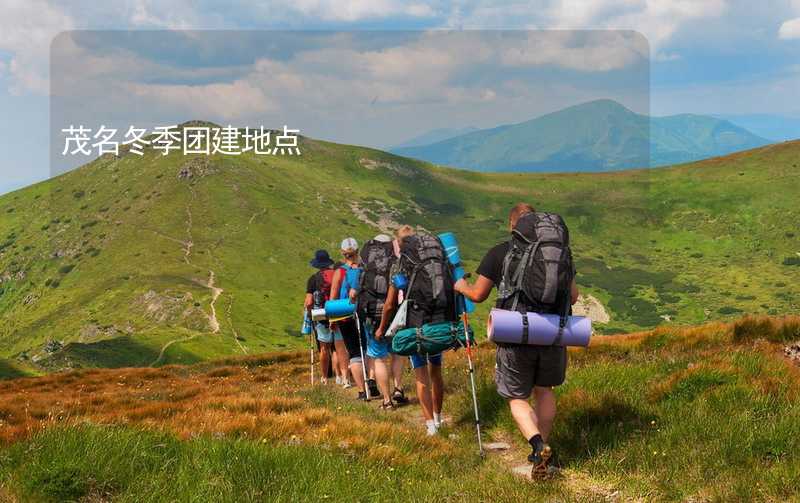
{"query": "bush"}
{"type": "Point", "coordinates": [66, 269]}
{"type": "Point", "coordinates": [791, 261]}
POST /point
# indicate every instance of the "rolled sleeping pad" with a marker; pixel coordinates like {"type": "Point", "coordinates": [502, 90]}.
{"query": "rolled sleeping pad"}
{"type": "Point", "coordinates": [306, 324]}
{"type": "Point", "coordinates": [507, 326]}
{"type": "Point", "coordinates": [339, 308]}
{"type": "Point", "coordinates": [318, 314]}
{"type": "Point", "coordinates": [450, 243]}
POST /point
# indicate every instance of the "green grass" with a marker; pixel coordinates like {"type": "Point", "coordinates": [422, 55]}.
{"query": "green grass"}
{"type": "Point", "coordinates": [666, 417]}
{"type": "Point", "coordinates": [690, 243]}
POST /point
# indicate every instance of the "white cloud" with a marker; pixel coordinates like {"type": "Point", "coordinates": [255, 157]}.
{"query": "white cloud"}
{"type": "Point", "coordinates": [790, 29]}
{"type": "Point", "coordinates": [227, 101]}
{"type": "Point", "coordinates": [26, 28]}
{"type": "Point", "coordinates": [356, 10]}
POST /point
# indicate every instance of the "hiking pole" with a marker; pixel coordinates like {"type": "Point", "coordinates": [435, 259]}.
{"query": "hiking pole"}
{"type": "Point", "coordinates": [363, 360]}
{"type": "Point", "coordinates": [465, 319]}
{"type": "Point", "coordinates": [313, 335]}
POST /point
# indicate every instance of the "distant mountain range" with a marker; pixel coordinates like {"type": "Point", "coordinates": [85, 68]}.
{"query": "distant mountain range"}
{"type": "Point", "coordinates": [434, 136]}
{"type": "Point", "coordinates": [770, 126]}
{"type": "Point", "coordinates": [600, 135]}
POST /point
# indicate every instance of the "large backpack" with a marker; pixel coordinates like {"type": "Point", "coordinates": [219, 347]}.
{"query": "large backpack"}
{"type": "Point", "coordinates": [377, 258]}
{"type": "Point", "coordinates": [537, 269]}
{"type": "Point", "coordinates": [430, 295]}
{"type": "Point", "coordinates": [323, 292]}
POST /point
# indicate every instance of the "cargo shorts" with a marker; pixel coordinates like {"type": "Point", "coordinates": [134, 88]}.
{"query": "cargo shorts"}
{"type": "Point", "coordinates": [519, 368]}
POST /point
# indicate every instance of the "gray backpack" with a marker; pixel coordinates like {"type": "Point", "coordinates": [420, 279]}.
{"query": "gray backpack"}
{"type": "Point", "coordinates": [538, 269]}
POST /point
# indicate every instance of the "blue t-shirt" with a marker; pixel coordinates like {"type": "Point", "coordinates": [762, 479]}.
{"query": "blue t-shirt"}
{"type": "Point", "coordinates": [351, 280]}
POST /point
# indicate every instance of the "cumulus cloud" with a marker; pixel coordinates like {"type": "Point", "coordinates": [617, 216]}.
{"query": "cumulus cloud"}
{"type": "Point", "coordinates": [26, 28]}
{"type": "Point", "coordinates": [790, 29]}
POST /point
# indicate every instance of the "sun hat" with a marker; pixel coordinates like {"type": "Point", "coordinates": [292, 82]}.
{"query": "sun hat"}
{"type": "Point", "coordinates": [321, 260]}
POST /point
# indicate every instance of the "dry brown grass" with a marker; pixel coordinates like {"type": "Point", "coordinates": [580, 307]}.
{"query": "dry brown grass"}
{"type": "Point", "coordinates": [256, 397]}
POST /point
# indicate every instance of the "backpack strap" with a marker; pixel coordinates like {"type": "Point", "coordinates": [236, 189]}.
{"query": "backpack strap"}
{"type": "Point", "coordinates": [564, 317]}
{"type": "Point", "coordinates": [516, 281]}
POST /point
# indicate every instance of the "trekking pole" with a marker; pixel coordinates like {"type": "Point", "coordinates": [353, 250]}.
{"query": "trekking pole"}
{"type": "Point", "coordinates": [465, 319]}
{"type": "Point", "coordinates": [363, 360]}
{"type": "Point", "coordinates": [313, 336]}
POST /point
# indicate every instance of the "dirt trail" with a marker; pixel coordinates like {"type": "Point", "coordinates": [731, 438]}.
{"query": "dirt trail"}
{"type": "Point", "coordinates": [233, 329]}
{"type": "Point", "coordinates": [213, 322]}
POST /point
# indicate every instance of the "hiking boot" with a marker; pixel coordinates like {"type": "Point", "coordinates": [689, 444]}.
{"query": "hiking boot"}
{"type": "Point", "coordinates": [387, 405]}
{"type": "Point", "coordinates": [338, 380]}
{"type": "Point", "coordinates": [399, 397]}
{"type": "Point", "coordinates": [540, 457]}
{"type": "Point", "coordinates": [373, 387]}
{"type": "Point", "coordinates": [362, 396]}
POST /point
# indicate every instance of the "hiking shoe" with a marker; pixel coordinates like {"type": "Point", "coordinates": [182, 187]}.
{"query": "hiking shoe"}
{"type": "Point", "coordinates": [399, 397]}
{"type": "Point", "coordinates": [362, 396]}
{"type": "Point", "coordinates": [387, 405]}
{"type": "Point", "coordinates": [338, 380]}
{"type": "Point", "coordinates": [347, 385]}
{"type": "Point", "coordinates": [540, 457]}
{"type": "Point", "coordinates": [373, 387]}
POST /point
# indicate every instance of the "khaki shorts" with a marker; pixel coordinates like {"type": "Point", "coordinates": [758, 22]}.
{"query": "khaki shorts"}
{"type": "Point", "coordinates": [519, 368]}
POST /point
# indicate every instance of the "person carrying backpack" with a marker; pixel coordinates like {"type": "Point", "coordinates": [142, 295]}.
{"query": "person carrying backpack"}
{"type": "Point", "coordinates": [430, 299]}
{"type": "Point", "coordinates": [318, 291]}
{"type": "Point", "coordinates": [345, 286]}
{"type": "Point", "coordinates": [533, 272]}
{"type": "Point", "coordinates": [377, 258]}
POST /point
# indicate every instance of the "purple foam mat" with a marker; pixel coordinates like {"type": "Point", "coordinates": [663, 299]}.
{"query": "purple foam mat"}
{"type": "Point", "coordinates": [507, 326]}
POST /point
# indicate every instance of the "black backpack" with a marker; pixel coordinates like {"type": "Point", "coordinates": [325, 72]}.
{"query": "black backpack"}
{"type": "Point", "coordinates": [377, 258]}
{"type": "Point", "coordinates": [430, 294]}
{"type": "Point", "coordinates": [537, 269]}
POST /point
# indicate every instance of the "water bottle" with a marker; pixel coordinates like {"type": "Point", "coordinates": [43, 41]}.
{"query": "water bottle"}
{"type": "Point", "coordinates": [306, 324]}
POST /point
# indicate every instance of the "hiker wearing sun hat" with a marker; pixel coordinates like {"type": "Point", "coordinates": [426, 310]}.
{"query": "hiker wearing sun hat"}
{"type": "Point", "coordinates": [318, 291]}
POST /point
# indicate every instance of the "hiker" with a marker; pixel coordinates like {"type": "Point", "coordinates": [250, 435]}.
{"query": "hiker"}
{"type": "Point", "coordinates": [345, 285]}
{"type": "Point", "coordinates": [524, 369]}
{"type": "Point", "coordinates": [318, 291]}
{"type": "Point", "coordinates": [398, 364]}
{"type": "Point", "coordinates": [429, 298]}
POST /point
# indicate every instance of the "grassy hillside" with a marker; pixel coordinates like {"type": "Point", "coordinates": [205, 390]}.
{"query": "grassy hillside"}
{"type": "Point", "coordinates": [600, 135]}
{"type": "Point", "coordinates": [153, 260]}
{"type": "Point", "coordinates": [707, 413]}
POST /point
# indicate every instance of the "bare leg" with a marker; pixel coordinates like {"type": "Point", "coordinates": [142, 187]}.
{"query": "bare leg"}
{"type": "Point", "coordinates": [524, 417]}
{"type": "Point", "coordinates": [437, 388]}
{"type": "Point", "coordinates": [398, 366]}
{"type": "Point", "coordinates": [343, 358]}
{"type": "Point", "coordinates": [358, 375]}
{"type": "Point", "coordinates": [424, 392]}
{"type": "Point", "coordinates": [545, 411]}
{"type": "Point", "coordinates": [382, 376]}
{"type": "Point", "coordinates": [325, 359]}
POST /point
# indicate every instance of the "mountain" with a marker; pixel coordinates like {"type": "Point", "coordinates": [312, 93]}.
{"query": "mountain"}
{"type": "Point", "coordinates": [433, 136]}
{"type": "Point", "coordinates": [600, 135]}
{"type": "Point", "coordinates": [170, 259]}
{"type": "Point", "coordinates": [773, 127]}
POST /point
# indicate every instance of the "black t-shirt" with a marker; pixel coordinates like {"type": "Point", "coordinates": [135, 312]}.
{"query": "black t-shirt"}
{"type": "Point", "coordinates": [313, 283]}
{"type": "Point", "coordinates": [492, 264]}
{"type": "Point", "coordinates": [491, 267]}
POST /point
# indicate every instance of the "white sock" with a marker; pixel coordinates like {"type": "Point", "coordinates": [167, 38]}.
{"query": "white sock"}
{"type": "Point", "coordinates": [431, 426]}
{"type": "Point", "coordinates": [437, 419]}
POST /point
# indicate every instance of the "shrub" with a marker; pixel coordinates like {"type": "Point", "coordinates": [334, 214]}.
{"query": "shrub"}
{"type": "Point", "coordinates": [66, 269]}
{"type": "Point", "coordinates": [791, 261]}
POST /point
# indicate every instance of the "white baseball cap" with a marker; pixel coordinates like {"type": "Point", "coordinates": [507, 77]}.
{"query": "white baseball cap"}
{"type": "Point", "coordinates": [349, 244]}
{"type": "Point", "coordinates": [382, 238]}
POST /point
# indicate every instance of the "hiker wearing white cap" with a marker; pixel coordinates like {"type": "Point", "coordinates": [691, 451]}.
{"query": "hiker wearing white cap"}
{"type": "Point", "coordinates": [345, 284]}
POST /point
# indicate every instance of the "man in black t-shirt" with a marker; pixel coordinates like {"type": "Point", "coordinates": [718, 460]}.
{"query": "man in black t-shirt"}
{"type": "Point", "coordinates": [523, 369]}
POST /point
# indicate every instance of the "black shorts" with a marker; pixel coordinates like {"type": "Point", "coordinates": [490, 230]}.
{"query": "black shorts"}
{"type": "Point", "coordinates": [349, 332]}
{"type": "Point", "coordinates": [519, 368]}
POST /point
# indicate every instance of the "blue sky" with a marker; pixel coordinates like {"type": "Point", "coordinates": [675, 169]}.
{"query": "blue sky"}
{"type": "Point", "coordinates": [706, 56]}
